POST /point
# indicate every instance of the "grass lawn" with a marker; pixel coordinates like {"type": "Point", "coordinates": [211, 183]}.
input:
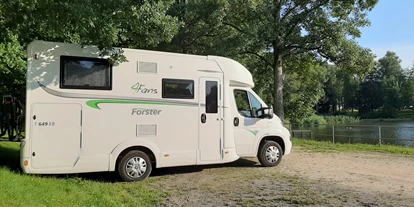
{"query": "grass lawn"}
{"type": "Point", "coordinates": [319, 146]}
{"type": "Point", "coordinates": [19, 189]}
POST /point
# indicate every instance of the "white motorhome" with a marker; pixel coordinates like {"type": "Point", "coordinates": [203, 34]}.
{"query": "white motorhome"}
{"type": "Point", "coordinates": [156, 110]}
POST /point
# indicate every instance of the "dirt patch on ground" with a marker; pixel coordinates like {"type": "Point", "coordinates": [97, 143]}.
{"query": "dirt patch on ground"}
{"type": "Point", "coordinates": [367, 172]}
{"type": "Point", "coordinates": [302, 179]}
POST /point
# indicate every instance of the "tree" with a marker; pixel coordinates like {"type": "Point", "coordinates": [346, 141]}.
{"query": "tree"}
{"type": "Point", "coordinates": [408, 88]}
{"type": "Point", "coordinates": [350, 91]}
{"type": "Point", "coordinates": [12, 65]}
{"type": "Point", "coordinates": [333, 89]}
{"type": "Point", "coordinates": [370, 97]}
{"type": "Point", "coordinates": [304, 81]}
{"type": "Point", "coordinates": [391, 77]}
{"type": "Point", "coordinates": [105, 23]}
{"type": "Point", "coordinates": [200, 28]}
{"type": "Point", "coordinates": [320, 28]}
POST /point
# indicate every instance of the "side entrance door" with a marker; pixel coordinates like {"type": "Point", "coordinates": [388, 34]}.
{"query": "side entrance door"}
{"type": "Point", "coordinates": [210, 122]}
{"type": "Point", "coordinates": [56, 135]}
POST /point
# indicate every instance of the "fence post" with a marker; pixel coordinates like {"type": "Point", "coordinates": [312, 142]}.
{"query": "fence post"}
{"type": "Point", "coordinates": [379, 135]}
{"type": "Point", "coordinates": [333, 134]}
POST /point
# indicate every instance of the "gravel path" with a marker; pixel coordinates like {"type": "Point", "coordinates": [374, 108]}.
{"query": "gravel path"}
{"type": "Point", "coordinates": [302, 179]}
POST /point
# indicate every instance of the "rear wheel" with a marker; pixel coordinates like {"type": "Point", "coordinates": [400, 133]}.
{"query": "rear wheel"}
{"type": "Point", "coordinates": [134, 166]}
{"type": "Point", "coordinates": [270, 154]}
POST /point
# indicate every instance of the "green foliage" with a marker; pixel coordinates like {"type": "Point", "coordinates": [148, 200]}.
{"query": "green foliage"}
{"type": "Point", "coordinates": [333, 91]}
{"type": "Point", "coordinates": [350, 91]}
{"type": "Point", "coordinates": [314, 119]}
{"type": "Point", "coordinates": [303, 87]}
{"type": "Point", "coordinates": [390, 73]}
{"type": "Point", "coordinates": [287, 28]}
{"type": "Point", "coordinates": [407, 88]}
{"type": "Point", "coordinates": [386, 89]}
{"type": "Point", "coordinates": [340, 119]}
{"type": "Point", "coordinates": [12, 64]}
{"type": "Point", "coordinates": [200, 30]}
{"type": "Point", "coordinates": [284, 43]}
{"type": "Point", "coordinates": [107, 24]}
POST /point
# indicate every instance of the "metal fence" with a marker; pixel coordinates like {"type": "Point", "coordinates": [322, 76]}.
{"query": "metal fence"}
{"type": "Point", "coordinates": [355, 133]}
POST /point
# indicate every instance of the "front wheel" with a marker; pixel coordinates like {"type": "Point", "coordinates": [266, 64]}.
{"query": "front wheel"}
{"type": "Point", "coordinates": [270, 154]}
{"type": "Point", "coordinates": [134, 166]}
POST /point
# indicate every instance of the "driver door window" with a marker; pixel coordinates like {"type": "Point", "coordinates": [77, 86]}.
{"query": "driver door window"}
{"type": "Point", "coordinates": [247, 104]}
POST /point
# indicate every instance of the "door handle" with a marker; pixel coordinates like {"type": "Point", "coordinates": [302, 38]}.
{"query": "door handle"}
{"type": "Point", "coordinates": [203, 118]}
{"type": "Point", "coordinates": [236, 121]}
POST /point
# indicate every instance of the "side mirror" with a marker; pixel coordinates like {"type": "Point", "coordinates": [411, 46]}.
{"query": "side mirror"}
{"type": "Point", "coordinates": [254, 112]}
{"type": "Point", "coordinates": [268, 111]}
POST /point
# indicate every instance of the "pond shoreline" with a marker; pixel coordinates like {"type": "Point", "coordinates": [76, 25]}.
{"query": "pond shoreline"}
{"type": "Point", "coordinates": [387, 120]}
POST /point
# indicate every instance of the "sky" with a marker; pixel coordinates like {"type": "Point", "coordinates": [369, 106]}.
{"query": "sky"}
{"type": "Point", "coordinates": [392, 29]}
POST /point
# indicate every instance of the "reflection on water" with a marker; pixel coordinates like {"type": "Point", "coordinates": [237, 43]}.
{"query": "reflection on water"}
{"type": "Point", "coordinates": [389, 132]}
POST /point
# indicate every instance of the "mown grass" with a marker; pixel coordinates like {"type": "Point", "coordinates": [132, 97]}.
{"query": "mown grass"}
{"type": "Point", "coordinates": [18, 189]}
{"type": "Point", "coordinates": [321, 146]}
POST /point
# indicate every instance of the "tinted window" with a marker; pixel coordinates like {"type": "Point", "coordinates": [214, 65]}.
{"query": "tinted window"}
{"type": "Point", "coordinates": [85, 73]}
{"type": "Point", "coordinates": [255, 105]}
{"type": "Point", "coordinates": [247, 104]}
{"type": "Point", "coordinates": [242, 102]}
{"type": "Point", "coordinates": [211, 97]}
{"type": "Point", "coordinates": [175, 88]}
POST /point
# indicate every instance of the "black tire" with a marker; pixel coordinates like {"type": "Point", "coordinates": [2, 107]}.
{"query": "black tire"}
{"type": "Point", "coordinates": [137, 169]}
{"type": "Point", "coordinates": [275, 156]}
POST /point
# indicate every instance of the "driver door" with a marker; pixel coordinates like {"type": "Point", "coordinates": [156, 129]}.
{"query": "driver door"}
{"type": "Point", "coordinates": [249, 127]}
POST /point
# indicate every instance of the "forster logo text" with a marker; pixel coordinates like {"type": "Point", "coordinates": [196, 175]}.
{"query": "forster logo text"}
{"type": "Point", "coordinates": [146, 112]}
{"type": "Point", "coordinates": [139, 88]}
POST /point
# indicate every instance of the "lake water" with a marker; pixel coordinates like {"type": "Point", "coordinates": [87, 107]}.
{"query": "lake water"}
{"type": "Point", "coordinates": [392, 132]}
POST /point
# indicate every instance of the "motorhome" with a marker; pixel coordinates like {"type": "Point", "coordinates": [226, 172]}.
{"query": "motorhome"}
{"type": "Point", "coordinates": [155, 110]}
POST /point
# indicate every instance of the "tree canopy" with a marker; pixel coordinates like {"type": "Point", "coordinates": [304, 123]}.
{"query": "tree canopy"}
{"type": "Point", "coordinates": [303, 54]}
{"type": "Point", "coordinates": [321, 29]}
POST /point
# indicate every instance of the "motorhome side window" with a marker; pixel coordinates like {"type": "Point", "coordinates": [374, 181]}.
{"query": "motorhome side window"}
{"type": "Point", "coordinates": [177, 88]}
{"type": "Point", "coordinates": [85, 73]}
{"type": "Point", "coordinates": [246, 103]}
{"type": "Point", "coordinates": [211, 97]}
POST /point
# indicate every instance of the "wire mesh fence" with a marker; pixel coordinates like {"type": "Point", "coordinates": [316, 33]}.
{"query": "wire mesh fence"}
{"type": "Point", "coordinates": [355, 133]}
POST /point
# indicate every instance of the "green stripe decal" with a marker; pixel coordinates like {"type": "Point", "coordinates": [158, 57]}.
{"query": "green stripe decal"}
{"type": "Point", "coordinates": [94, 103]}
{"type": "Point", "coordinates": [254, 132]}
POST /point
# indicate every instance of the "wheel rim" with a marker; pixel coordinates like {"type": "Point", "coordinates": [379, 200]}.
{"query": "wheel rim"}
{"type": "Point", "coordinates": [272, 154]}
{"type": "Point", "coordinates": [136, 167]}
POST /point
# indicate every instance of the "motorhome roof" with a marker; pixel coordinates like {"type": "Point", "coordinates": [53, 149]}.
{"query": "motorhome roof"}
{"type": "Point", "coordinates": [236, 73]}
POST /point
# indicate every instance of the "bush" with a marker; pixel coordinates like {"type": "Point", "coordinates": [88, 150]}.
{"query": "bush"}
{"type": "Point", "coordinates": [316, 119]}
{"type": "Point", "coordinates": [341, 119]}
{"type": "Point", "coordinates": [385, 113]}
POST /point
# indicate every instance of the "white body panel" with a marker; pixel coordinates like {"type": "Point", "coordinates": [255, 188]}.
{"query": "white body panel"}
{"type": "Point", "coordinates": [65, 137]}
{"type": "Point", "coordinates": [92, 127]}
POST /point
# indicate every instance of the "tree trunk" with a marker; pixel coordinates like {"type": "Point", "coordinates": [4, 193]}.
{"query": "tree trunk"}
{"type": "Point", "coordinates": [278, 85]}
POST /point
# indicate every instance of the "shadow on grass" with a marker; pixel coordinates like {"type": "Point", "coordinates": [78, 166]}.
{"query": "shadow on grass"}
{"type": "Point", "coordinates": [10, 158]}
